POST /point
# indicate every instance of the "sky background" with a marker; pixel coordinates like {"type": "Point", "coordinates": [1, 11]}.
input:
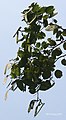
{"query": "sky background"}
{"type": "Point", "coordinates": [15, 108]}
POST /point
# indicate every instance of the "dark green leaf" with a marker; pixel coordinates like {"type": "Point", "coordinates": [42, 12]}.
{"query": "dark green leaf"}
{"type": "Point", "coordinates": [21, 86]}
{"type": "Point", "coordinates": [41, 10]}
{"type": "Point", "coordinates": [44, 45]}
{"type": "Point", "coordinates": [46, 74]}
{"type": "Point", "coordinates": [31, 105]}
{"type": "Point", "coordinates": [38, 108]}
{"type": "Point", "coordinates": [64, 46]}
{"type": "Point", "coordinates": [63, 62]}
{"type": "Point", "coordinates": [45, 22]}
{"type": "Point", "coordinates": [58, 73]}
{"type": "Point", "coordinates": [56, 52]}
{"type": "Point", "coordinates": [58, 34]}
{"type": "Point", "coordinates": [20, 53]}
{"type": "Point", "coordinates": [51, 42]}
{"type": "Point", "coordinates": [55, 31]}
{"type": "Point", "coordinates": [64, 32]}
{"type": "Point", "coordinates": [54, 20]}
{"type": "Point", "coordinates": [41, 35]}
{"type": "Point", "coordinates": [38, 45]}
{"type": "Point", "coordinates": [50, 9]}
{"type": "Point", "coordinates": [45, 85]}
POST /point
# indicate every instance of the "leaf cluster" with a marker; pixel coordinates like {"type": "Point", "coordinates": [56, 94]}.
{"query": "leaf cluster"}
{"type": "Point", "coordinates": [35, 64]}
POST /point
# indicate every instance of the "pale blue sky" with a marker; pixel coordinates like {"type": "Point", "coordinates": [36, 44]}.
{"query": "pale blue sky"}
{"type": "Point", "coordinates": [15, 108]}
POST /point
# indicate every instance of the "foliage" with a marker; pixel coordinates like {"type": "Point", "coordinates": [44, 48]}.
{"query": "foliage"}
{"type": "Point", "coordinates": [35, 64]}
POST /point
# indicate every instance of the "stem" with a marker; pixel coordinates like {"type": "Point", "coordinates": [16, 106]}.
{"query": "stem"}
{"type": "Point", "coordinates": [37, 96]}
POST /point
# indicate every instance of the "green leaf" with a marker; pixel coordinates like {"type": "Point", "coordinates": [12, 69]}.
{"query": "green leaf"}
{"type": "Point", "coordinates": [58, 34]}
{"type": "Point", "coordinates": [20, 53]}
{"type": "Point", "coordinates": [20, 85]}
{"type": "Point", "coordinates": [51, 42]}
{"type": "Point", "coordinates": [38, 45]}
{"type": "Point", "coordinates": [41, 35]}
{"type": "Point", "coordinates": [45, 22]}
{"type": "Point", "coordinates": [51, 27]}
{"type": "Point", "coordinates": [38, 108]}
{"type": "Point", "coordinates": [46, 74]}
{"type": "Point", "coordinates": [32, 90]}
{"type": "Point", "coordinates": [58, 73]}
{"type": "Point", "coordinates": [45, 85]}
{"type": "Point", "coordinates": [35, 8]}
{"type": "Point", "coordinates": [45, 16]}
{"type": "Point", "coordinates": [55, 31]}
{"type": "Point", "coordinates": [31, 105]}
{"type": "Point", "coordinates": [64, 32]}
{"type": "Point", "coordinates": [63, 62]}
{"type": "Point", "coordinates": [41, 10]}
{"type": "Point", "coordinates": [50, 9]}
{"type": "Point", "coordinates": [44, 45]}
{"type": "Point", "coordinates": [54, 20]}
{"type": "Point", "coordinates": [56, 52]}
{"type": "Point", "coordinates": [64, 46]}
{"type": "Point", "coordinates": [15, 71]}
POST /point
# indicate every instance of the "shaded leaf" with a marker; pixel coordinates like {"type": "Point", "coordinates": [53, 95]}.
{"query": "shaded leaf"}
{"type": "Point", "coordinates": [64, 32]}
{"type": "Point", "coordinates": [21, 85]}
{"type": "Point", "coordinates": [31, 105]}
{"type": "Point", "coordinates": [41, 35]}
{"type": "Point", "coordinates": [38, 45]}
{"type": "Point", "coordinates": [56, 52]}
{"type": "Point", "coordinates": [58, 73]}
{"type": "Point", "coordinates": [46, 74]}
{"type": "Point", "coordinates": [51, 42]}
{"type": "Point", "coordinates": [44, 44]}
{"type": "Point", "coordinates": [45, 85]}
{"type": "Point", "coordinates": [38, 108]}
{"type": "Point", "coordinates": [58, 34]}
{"type": "Point", "coordinates": [64, 46]}
{"type": "Point", "coordinates": [45, 22]}
{"type": "Point", "coordinates": [54, 20]}
{"type": "Point", "coordinates": [63, 62]}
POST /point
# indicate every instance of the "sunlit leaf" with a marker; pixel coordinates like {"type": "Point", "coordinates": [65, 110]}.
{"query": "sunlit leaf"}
{"type": "Point", "coordinates": [6, 94]}
{"type": "Point", "coordinates": [7, 67]}
{"type": "Point", "coordinates": [50, 9]}
{"type": "Point", "coordinates": [51, 27]}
